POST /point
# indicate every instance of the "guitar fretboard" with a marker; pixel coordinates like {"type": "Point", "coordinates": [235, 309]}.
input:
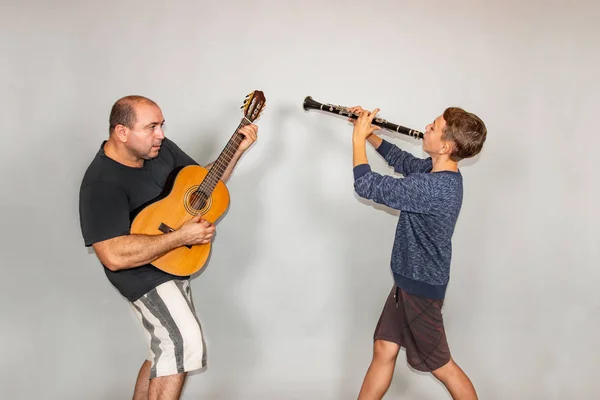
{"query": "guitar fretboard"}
{"type": "Point", "coordinates": [220, 165]}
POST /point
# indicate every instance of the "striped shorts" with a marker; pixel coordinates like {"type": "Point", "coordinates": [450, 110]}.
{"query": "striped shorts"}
{"type": "Point", "coordinates": [173, 331]}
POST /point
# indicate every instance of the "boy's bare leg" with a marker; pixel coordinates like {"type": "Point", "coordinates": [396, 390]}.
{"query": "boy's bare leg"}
{"type": "Point", "coordinates": [456, 381]}
{"type": "Point", "coordinates": [380, 372]}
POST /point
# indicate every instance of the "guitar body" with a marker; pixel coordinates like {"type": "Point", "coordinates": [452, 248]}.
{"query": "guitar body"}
{"type": "Point", "coordinates": [179, 206]}
{"type": "Point", "coordinates": [194, 190]}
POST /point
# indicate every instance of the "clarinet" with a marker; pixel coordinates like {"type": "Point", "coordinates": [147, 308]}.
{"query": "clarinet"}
{"type": "Point", "coordinates": [310, 104]}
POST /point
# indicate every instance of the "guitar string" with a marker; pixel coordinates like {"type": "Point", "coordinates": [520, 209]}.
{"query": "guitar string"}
{"type": "Point", "coordinates": [210, 180]}
{"type": "Point", "coordinates": [219, 167]}
{"type": "Point", "coordinates": [221, 163]}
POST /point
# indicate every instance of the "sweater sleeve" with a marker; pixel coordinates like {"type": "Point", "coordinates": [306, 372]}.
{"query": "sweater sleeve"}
{"type": "Point", "coordinates": [402, 161]}
{"type": "Point", "coordinates": [412, 194]}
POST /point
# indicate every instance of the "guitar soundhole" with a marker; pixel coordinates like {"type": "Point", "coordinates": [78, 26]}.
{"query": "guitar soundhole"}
{"type": "Point", "coordinates": [197, 202]}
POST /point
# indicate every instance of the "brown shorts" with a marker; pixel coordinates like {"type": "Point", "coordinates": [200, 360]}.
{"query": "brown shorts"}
{"type": "Point", "coordinates": [416, 324]}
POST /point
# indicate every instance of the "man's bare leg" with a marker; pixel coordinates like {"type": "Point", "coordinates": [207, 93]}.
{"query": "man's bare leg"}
{"type": "Point", "coordinates": [379, 375]}
{"type": "Point", "coordinates": [161, 388]}
{"type": "Point", "coordinates": [166, 387]}
{"type": "Point", "coordinates": [456, 381]}
{"type": "Point", "coordinates": [143, 382]}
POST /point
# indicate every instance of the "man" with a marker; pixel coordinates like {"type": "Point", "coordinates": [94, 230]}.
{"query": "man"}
{"type": "Point", "coordinates": [429, 198]}
{"type": "Point", "coordinates": [130, 169]}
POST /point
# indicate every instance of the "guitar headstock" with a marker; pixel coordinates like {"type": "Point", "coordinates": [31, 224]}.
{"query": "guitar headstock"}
{"type": "Point", "coordinates": [254, 104]}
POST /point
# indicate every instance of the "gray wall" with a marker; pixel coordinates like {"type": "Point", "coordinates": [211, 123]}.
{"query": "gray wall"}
{"type": "Point", "coordinates": [299, 269]}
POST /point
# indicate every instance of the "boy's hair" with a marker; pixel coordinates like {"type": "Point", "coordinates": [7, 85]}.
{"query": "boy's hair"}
{"type": "Point", "coordinates": [466, 130]}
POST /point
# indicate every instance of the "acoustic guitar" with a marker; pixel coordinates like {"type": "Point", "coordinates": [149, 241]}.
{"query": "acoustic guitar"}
{"type": "Point", "coordinates": [194, 190]}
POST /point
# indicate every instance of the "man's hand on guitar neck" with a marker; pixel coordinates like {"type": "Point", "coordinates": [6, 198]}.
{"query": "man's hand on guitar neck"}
{"type": "Point", "coordinates": [250, 133]}
{"type": "Point", "coordinates": [130, 251]}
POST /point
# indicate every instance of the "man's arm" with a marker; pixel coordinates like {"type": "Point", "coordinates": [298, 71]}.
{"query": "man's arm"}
{"type": "Point", "coordinates": [230, 167]}
{"type": "Point", "coordinates": [133, 250]}
{"type": "Point", "coordinates": [104, 214]}
{"type": "Point", "coordinates": [250, 134]}
{"type": "Point", "coordinates": [130, 251]}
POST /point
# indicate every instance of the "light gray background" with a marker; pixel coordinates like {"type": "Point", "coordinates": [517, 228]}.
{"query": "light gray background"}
{"type": "Point", "coordinates": [299, 269]}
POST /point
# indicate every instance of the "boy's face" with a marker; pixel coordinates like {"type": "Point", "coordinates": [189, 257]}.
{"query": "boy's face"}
{"type": "Point", "coordinates": [432, 139]}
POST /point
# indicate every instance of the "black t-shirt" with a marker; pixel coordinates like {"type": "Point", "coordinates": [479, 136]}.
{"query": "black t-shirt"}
{"type": "Point", "coordinates": [110, 192]}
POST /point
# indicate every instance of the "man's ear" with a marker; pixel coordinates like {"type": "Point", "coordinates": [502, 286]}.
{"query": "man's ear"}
{"type": "Point", "coordinates": [121, 133]}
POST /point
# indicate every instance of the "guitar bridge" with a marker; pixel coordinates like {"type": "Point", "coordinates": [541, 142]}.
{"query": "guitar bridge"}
{"type": "Point", "coordinates": [166, 229]}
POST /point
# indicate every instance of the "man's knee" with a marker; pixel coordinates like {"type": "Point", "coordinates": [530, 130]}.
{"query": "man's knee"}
{"type": "Point", "coordinates": [385, 351]}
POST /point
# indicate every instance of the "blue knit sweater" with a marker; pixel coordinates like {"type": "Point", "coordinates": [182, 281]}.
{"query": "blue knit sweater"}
{"type": "Point", "coordinates": [429, 204]}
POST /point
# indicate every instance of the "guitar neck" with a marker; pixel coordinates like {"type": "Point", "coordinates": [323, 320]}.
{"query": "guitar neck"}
{"type": "Point", "coordinates": [222, 162]}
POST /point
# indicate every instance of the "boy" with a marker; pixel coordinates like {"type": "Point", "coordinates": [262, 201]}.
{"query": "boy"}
{"type": "Point", "coordinates": [429, 198]}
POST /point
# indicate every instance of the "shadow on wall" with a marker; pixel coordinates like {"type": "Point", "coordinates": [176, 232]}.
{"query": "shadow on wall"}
{"type": "Point", "coordinates": [220, 289]}
{"type": "Point", "coordinates": [363, 295]}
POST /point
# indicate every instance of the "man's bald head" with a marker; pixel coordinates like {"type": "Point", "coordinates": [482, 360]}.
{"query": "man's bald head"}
{"type": "Point", "coordinates": [123, 111]}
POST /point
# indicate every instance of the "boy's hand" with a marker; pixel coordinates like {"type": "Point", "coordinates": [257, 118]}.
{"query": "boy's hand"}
{"type": "Point", "coordinates": [356, 110]}
{"type": "Point", "coordinates": [362, 126]}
